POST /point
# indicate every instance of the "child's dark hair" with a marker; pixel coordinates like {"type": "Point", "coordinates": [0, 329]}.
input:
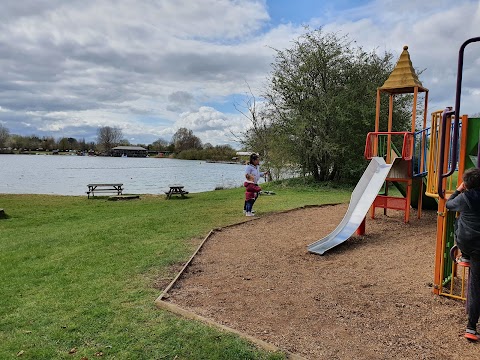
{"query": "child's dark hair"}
{"type": "Point", "coordinates": [253, 157]}
{"type": "Point", "coordinates": [471, 178]}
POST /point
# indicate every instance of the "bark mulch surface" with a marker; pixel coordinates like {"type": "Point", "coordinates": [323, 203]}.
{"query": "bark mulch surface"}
{"type": "Point", "coordinates": [368, 298]}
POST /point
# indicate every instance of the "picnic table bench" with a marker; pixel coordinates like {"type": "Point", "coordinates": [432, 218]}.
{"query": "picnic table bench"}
{"type": "Point", "coordinates": [176, 190]}
{"type": "Point", "coordinates": [104, 188]}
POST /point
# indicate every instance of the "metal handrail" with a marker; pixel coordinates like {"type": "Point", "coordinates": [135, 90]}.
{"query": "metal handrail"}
{"type": "Point", "coordinates": [423, 136]}
{"type": "Point", "coordinates": [447, 113]}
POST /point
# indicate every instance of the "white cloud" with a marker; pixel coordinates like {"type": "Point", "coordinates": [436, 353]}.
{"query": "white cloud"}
{"type": "Point", "coordinates": [212, 126]}
{"type": "Point", "coordinates": [180, 100]}
{"type": "Point", "coordinates": [433, 34]}
{"type": "Point", "coordinates": [149, 67]}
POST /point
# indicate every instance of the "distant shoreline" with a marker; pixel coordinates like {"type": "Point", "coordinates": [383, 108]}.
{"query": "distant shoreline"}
{"type": "Point", "coordinates": [224, 162]}
{"type": "Point", "coordinates": [67, 153]}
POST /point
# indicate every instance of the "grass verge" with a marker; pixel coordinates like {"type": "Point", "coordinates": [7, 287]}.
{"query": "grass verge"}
{"type": "Point", "coordinates": [79, 277]}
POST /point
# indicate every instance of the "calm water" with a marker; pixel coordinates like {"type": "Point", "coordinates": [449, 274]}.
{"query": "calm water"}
{"type": "Point", "coordinates": [69, 175]}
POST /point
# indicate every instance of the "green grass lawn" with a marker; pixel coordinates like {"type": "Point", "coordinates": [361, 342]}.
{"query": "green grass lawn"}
{"type": "Point", "coordinates": [79, 275]}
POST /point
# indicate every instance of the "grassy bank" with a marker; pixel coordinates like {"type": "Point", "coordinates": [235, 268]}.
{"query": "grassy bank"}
{"type": "Point", "coordinates": [81, 276]}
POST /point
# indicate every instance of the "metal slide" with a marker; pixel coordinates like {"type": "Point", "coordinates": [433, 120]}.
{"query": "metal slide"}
{"type": "Point", "coordinates": [362, 198]}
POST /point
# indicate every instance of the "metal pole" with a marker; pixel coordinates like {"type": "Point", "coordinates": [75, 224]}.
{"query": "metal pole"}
{"type": "Point", "coordinates": [456, 122]}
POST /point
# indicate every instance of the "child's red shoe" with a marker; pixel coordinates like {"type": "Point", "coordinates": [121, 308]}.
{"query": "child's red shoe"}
{"type": "Point", "coordinates": [471, 335]}
{"type": "Point", "coordinates": [463, 261]}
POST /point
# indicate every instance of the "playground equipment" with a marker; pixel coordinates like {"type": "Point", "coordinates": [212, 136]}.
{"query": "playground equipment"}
{"type": "Point", "coordinates": [454, 147]}
{"type": "Point", "coordinates": [452, 144]}
{"type": "Point", "coordinates": [398, 166]}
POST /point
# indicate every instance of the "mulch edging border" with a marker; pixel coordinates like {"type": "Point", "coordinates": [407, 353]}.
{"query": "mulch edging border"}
{"type": "Point", "coordinates": [161, 303]}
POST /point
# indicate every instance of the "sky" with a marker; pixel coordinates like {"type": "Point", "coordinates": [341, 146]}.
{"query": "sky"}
{"type": "Point", "coordinates": [150, 67]}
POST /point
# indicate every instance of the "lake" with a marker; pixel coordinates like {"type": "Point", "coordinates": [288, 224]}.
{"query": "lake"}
{"type": "Point", "coordinates": [69, 175]}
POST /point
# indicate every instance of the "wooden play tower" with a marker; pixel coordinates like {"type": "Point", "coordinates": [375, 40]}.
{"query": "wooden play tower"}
{"type": "Point", "coordinates": [402, 80]}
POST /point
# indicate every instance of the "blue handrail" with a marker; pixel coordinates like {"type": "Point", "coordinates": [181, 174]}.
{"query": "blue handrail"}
{"type": "Point", "coordinates": [418, 169]}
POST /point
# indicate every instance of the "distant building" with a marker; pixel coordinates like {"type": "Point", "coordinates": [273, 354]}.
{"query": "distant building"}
{"type": "Point", "coordinates": [129, 151]}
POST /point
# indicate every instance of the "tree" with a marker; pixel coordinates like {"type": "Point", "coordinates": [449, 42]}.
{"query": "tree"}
{"type": "Point", "coordinates": [265, 137]}
{"type": "Point", "coordinates": [159, 145]}
{"type": "Point", "coordinates": [91, 147]}
{"type": "Point", "coordinates": [4, 136]}
{"type": "Point", "coordinates": [124, 142]}
{"type": "Point", "coordinates": [82, 145]}
{"type": "Point", "coordinates": [108, 137]}
{"type": "Point", "coordinates": [322, 95]}
{"type": "Point", "coordinates": [73, 143]}
{"type": "Point", "coordinates": [48, 143]}
{"type": "Point", "coordinates": [185, 140]}
{"type": "Point", "coordinates": [17, 141]}
{"type": "Point", "coordinates": [218, 152]}
{"type": "Point", "coordinates": [63, 144]}
{"type": "Point", "coordinates": [33, 142]}
{"type": "Point", "coordinates": [257, 136]}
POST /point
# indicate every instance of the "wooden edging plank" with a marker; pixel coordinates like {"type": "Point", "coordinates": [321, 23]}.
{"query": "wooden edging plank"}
{"type": "Point", "coordinates": [161, 303]}
{"type": "Point", "coordinates": [169, 286]}
{"type": "Point", "coordinates": [192, 316]}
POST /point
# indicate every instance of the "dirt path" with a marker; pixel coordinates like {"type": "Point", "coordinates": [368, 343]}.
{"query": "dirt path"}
{"type": "Point", "coordinates": [369, 298]}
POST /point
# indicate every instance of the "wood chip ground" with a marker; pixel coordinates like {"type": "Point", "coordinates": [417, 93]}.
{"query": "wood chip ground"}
{"type": "Point", "coordinates": [369, 298]}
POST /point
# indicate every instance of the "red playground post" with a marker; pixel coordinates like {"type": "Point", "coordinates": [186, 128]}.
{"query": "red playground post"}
{"type": "Point", "coordinates": [361, 228]}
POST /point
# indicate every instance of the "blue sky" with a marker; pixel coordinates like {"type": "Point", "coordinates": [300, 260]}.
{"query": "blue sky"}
{"type": "Point", "coordinates": [302, 11]}
{"type": "Point", "coordinates": [149, 68]}
{"type": "Point", "coordinates": [284, 11]}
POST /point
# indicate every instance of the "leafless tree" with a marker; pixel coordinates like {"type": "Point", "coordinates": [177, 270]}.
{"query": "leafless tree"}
{"type": "Point", "coordinates": [256, 137]}
{"type": "Point", "coordinates": [108, 137]}
{"type": "Point", "coordinates": [4, 136]}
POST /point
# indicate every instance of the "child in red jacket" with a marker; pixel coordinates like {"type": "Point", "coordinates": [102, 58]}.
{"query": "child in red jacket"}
{"type": "Point", "coordinates": [251, 193]}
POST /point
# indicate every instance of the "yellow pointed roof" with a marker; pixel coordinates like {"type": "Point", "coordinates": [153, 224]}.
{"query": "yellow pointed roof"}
{"type": "Point", "coordinates": [403, 78]}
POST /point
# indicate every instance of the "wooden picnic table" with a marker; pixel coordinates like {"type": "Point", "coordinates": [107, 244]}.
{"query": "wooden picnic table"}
{"type": "Point", "coordinates": [176, 190]}
{"type": "Point", "coordinates": [115, 188]}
